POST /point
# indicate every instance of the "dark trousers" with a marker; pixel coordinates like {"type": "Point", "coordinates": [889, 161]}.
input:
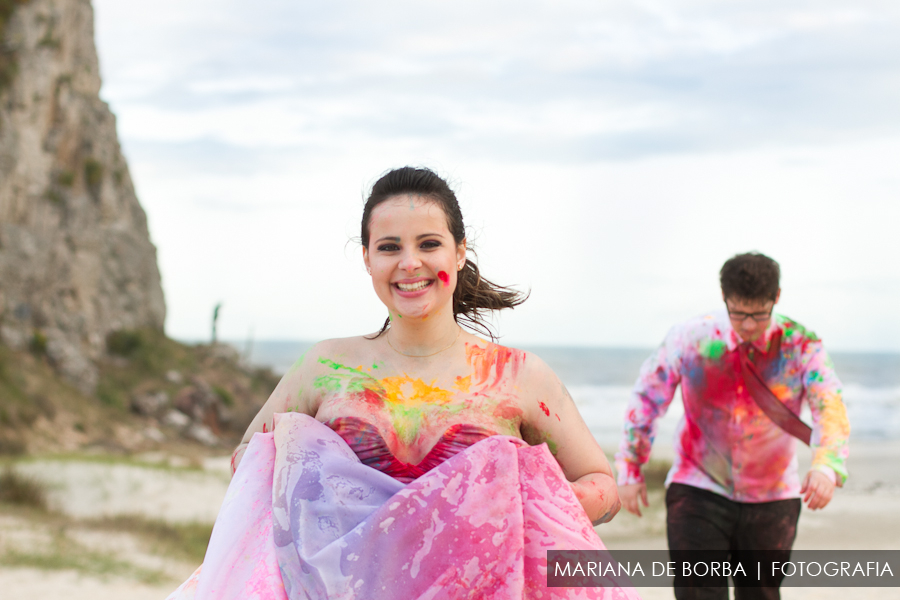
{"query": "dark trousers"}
{"type": "Point", "coordinates": [701, 520]}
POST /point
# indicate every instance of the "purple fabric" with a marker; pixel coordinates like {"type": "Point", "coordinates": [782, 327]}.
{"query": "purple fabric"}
{"type": "Point", "coordinates": [477, 526]}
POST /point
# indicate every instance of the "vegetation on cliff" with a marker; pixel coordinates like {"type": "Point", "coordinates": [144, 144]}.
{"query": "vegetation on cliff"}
{"type": "Point", "coordinates": [7, 55]}
{"type": "Point", "coordinates": [153, 393]}
{"type": "Point", "coordinates": [76, 259]}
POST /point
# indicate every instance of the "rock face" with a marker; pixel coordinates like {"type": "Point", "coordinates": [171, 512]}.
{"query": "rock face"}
{"type": "Point", "coordinates": [76, 261]}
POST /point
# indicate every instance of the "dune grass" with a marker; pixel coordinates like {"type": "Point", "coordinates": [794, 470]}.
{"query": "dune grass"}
{"type": "Point", "coordinates": [31, 535]}
{"type": "Point", "coordinates": [66, 554]}
{"type": "Point", "coordinates": [22, 490]}
{"type": "Point", "coordinates": [184, 540]}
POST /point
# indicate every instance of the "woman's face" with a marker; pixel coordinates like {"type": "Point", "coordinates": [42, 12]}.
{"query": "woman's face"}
{"type": "Point", "coordinates": [412, 256]}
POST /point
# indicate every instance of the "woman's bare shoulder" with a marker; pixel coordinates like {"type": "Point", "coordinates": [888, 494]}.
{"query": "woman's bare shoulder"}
{"type": "Point", "coordinates": [531, 364]}
{"type": "Point", "coordinates": [527, 367]}
{"type": "Point", "coordinates": [537, 376]}
{"type": "Point", "coordinates": [327, 354]}
{"type": "Point", "coordinates": [298, 386]}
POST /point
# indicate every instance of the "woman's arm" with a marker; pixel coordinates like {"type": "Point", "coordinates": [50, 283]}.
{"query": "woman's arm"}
{"type": "Point", "coordinates": [287, 396]}
{"type": "Point", "coordinates": [550, 416]}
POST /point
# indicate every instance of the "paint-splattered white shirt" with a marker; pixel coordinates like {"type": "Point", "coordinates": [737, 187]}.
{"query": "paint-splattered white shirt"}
{"type": "Point", "coordinates": [725, 443]}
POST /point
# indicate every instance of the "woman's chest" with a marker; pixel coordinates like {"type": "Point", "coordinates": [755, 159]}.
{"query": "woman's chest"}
{"type": "Point", "coordinates": [412, 415]}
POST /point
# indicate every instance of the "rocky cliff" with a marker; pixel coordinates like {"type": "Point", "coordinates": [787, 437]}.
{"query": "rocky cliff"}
{"type": "Point", "coordinates": [76, 261]}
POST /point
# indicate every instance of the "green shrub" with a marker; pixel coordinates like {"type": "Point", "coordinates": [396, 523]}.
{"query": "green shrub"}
{"type": "Point", "coordinates": [8, 66]}
{"type": "Point", "coordinates": [54, 196]}
{"type": "Point", "coordinates": [22, 490]}
{"type": "Point", "coordinates": [150, 352]}
{"type": "Point", "coordinates": [93, 173]}
{"type": "Point", "coordinates": [49, 40]}
{"type": "Point", "coordinates": [123, 342]}
{"type": "Point", "coordinates": [224, 395]}
{"type": "Point", "coordinates": [38, 343]}
{"type": "Point", "coordinates": [108, 397]}
{"type": "Point", "coordinates": [6, 8]}
{"type": "Point", "coordinates": [65, 178]}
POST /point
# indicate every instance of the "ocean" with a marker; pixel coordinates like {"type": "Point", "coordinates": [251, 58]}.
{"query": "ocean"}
{"type": "Point", "coordinates": [600, 381]}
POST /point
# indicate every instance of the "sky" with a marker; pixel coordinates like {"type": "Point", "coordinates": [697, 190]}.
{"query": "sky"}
{"type": "Point", "coordinates": [608, 156]}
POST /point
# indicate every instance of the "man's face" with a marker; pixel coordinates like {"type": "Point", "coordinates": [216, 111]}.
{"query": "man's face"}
{"type": "Point", "coordinates": [750, 318]}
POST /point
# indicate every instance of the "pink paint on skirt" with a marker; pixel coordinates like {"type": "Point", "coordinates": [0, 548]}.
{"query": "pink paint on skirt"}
{"type": "Point", "coordinates": [303, 518]}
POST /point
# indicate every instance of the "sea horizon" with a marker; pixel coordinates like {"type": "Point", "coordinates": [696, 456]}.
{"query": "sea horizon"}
{"type": "Point", "coordinates": [600, 380]}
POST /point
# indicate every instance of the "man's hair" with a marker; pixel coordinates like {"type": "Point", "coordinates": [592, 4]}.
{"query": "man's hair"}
{"type": "Point", "coordinates": [750, 276]}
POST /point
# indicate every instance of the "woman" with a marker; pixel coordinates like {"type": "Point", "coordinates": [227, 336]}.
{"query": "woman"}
{"type": "Point", "coordinates": [411, 462]}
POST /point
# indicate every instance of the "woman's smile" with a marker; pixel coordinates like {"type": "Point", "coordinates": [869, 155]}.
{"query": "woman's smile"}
{"type": "Point", "coordinates": [413, 288]}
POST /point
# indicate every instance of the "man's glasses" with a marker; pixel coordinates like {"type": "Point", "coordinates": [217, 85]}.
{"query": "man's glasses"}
{"type": "Point", "coordinates": [759, 317]}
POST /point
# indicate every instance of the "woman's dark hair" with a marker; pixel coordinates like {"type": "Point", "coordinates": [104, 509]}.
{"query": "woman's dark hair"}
{"type": "Point", "coordinates": [750, 276]}
{"type": "Point", "coordinates": [474, 295]}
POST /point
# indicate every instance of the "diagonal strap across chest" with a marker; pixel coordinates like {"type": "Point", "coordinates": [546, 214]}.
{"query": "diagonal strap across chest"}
{"type": "Point", "coordinates": [767, 401]}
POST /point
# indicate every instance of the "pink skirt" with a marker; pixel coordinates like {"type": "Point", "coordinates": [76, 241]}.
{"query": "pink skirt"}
{"type": "Point", "coordinates": [303, 518]}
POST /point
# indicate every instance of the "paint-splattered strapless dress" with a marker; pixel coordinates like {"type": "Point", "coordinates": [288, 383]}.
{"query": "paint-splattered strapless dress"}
{"type": "Point", "coordinates": [371, 449]}
{"type": "Point", "coordinates": [307, 517]}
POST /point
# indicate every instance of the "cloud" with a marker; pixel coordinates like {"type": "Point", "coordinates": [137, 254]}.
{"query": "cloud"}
{"type": "Point", "coordinates": [611, 154]}
{"type": "Point", "coordinates": [589, 82]}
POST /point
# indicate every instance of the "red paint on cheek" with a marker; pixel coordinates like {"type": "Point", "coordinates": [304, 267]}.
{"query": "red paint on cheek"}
{"type": "Point", "coordinates": [544, 408]}
{"type": "Point", "coordinates": [557, 417]}
{"type": "Point", "coordinates": [445, 279]}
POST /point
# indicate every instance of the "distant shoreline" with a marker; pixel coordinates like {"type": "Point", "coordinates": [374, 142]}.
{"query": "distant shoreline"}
{"type": "Point", "coordinates": [873, 369]}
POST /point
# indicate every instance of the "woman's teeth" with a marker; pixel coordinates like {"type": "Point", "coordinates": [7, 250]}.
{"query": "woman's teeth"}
{"type": "Point", "coordinates": [414, 287]}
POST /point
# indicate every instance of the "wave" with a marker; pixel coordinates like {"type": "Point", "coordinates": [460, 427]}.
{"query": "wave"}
{"type": "Point", "coordinates": [873, 412]}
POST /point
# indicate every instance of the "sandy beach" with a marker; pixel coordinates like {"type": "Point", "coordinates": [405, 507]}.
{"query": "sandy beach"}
{"type": "Point", "coordinates": [79, 555]}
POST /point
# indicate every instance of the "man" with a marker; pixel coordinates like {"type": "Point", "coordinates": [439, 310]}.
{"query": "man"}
{"type": "Point", "coordinates": [744, 372]}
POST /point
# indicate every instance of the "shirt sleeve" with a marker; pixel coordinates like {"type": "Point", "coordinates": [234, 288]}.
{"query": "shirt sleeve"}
{"type": "Point", "coordinates": [659, 377]}
{"type": "Point", "coordinates": [831, 429]}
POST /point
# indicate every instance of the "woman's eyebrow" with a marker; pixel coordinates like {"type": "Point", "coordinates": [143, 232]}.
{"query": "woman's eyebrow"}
{"type": "Point", "coordinates": [388, 239]}
{"type": "Point", "coordinates": [425, 235]}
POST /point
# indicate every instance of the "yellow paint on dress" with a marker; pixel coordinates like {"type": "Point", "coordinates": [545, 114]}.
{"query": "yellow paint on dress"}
{"type": "Point", "coordinates": [463, 383]}
{"type": "Point", "coordinates": [408, 391]}
{"type": "Point", "coordinates": [412, 404]}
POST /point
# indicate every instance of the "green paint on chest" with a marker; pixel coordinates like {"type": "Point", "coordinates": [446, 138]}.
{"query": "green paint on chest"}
{"type": "Point", "coordinates": [712, 349]}
{"type": "Point", "coordinates": [347, 379]}
{"type": "Point", "coordinates": [328, 383]}
{"type": "Point", "coordinates": [406, 421]}
{"type": "Point", "coordinates": [337, 366]}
